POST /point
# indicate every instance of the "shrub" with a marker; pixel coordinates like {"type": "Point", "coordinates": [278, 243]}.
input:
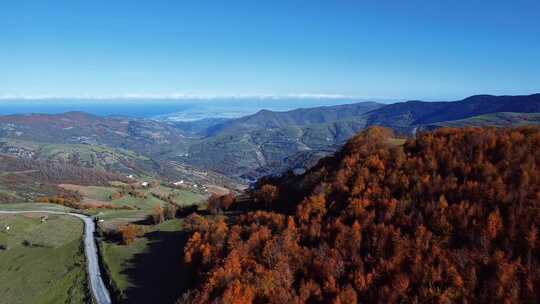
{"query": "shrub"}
{"type": "Point", "coordinates": [158, 214]}
{"type": "Point", "coordinates": [217, 203]}
{"type": "Point", "coordinates": [128, 233]}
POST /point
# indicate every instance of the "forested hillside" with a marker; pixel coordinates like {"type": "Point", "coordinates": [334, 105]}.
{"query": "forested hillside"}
{"type": "Point", "coordinates": [449, 217]}
{"type": "Point", "coordinates": [245, 148]}
{"type": "Point", "coordinates": [407, 116]}
{"type": "Point", "coordinates": [25, 180]}
{"type": "Point", "coordinates": [266, 119]}
{"type": "Point", "coordinates": [252, 146]}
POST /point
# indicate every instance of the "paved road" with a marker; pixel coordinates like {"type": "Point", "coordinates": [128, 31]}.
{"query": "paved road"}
{"type": "Point", "coordinates": [99, 291]}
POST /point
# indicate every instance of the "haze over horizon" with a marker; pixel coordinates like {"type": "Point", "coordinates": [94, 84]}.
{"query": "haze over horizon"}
{"type": "Point", "coordinates": [293, 49]}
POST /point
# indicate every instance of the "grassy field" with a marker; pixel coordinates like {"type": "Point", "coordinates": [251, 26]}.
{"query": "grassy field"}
{"type": "Point", "coordinates": [34, 206]}
{"type": "Point", "coordinates": [150, 269]}
{"type": "Point", "coordinates": [140, 203]}
{"type": "Point", "coordinates": [141, 207]}
{"type": "Point", "coordinates": [44, 262]}
{"type": "Point", "coordinates": [86, 152]}
{"type": "Point", "coordinates": [180, 197]}
{"type": "Point", "coordinates": [501, 119]}
{"type": "Point", "coordinates": [103, 194]}
{"type": "Point", "coordinates": [99, 193]}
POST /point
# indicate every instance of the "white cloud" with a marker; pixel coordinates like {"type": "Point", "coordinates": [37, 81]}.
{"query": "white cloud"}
{"type": "Point", "coordinates": [181, 96]}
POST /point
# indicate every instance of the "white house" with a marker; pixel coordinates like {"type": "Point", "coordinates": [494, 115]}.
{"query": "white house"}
{"type": "Point", "coordinates": [144, 184]}
{"type": "Point", "coordinates": [178, 183]}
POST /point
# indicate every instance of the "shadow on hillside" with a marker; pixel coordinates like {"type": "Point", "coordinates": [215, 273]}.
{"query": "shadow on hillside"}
{"type": "Point", "coordinates": [160, 276]}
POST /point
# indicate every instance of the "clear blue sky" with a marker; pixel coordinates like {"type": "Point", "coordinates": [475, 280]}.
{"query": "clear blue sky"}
{"type": "Point", "coordinates": [398, 49]}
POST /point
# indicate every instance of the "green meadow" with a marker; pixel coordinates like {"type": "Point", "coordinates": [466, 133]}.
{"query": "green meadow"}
{"type": "Point", "coordinates": [42, 262]}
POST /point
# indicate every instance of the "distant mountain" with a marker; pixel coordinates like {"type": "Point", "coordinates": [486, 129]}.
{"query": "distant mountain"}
{"type": "Point", "coordinates": [140, 135]}
{"type": "Point", "coordinates": [272, 142]}
{"type": "Point", "coordinates": [483, 104]}
{"type": "Point", "coordinates": [124, 145]}
{"type": "Point", "coordinates": [24, 180]}
{"type": "Point", "coordinates": [266, 119]}
{"type": "Point", "coordinates": [251, 154]}
{"type": "Point", "coordinates": [246, 148]}
{"type": "Point", "coordinates": [406, 116]}
{"type": "Point", "coordinates": [81, 155]}
{"type": "Point", "coordinates": [402, 116]}
{"type": "Point", "coordinates": [199, 126]}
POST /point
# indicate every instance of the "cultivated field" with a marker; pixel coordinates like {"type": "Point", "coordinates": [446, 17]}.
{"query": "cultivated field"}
{"type": "Point", "coordinates": [42, 262]}
{"type": "Point", "coordinates": [130, 207]}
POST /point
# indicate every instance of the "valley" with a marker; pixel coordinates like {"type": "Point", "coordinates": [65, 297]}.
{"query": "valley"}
{"type": "Point", "coordinates": [141, 180]}
{"type": "Point", "coordinates": [239, 150]}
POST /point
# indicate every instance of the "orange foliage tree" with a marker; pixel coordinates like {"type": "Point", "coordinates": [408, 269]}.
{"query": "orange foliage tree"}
{"type": "Point", "coordinates": [451, 216]}
{"type": "Point", "coordinates": [128, 233]}
{"type": "Point", "coordinates": [158, 214]}
{"type": "Point", "coordinates": [267, 194]}
{"type": "Point", "coordinates": [218, 203]}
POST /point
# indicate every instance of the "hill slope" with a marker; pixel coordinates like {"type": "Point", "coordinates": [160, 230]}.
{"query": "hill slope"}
{"type": "Point", "coordinates": [449, 217]}
{"type": "Point", "coordinates": [406, 116]}
{"type": "Point", "coordinates": [83, 155]}
{"type": "Point", "coordinates": [500, 119]}
{"type": "Point", "coordinates": [25, 180]}
{"type": "Point", "coordinates": [124, 145]}
{"type": "Point", "coordinates": [140, 135]}
{"type": "Point", "coordinates": [250, 155]}
{"type": "Point", "coordinates": [270, 142]}
{"type": "Point", "coordinates": [266, 119]}
{"type": "Point", "coordinates": [253, 146]}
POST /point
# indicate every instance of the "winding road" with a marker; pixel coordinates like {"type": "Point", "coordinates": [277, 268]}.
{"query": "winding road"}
{"type": "Point", "coordinates": [99, 291]}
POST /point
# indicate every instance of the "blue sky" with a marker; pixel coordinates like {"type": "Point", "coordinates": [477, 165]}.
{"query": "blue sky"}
{"type": "Point", "coordinates": [386, 49]}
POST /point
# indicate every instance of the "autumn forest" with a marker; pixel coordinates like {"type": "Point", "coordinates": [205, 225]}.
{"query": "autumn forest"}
{"type": "Point", "coordinates": [451, 216]}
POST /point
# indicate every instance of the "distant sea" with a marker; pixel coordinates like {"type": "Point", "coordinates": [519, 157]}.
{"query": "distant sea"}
{"type": "Point", "coordinates": [181, 109]}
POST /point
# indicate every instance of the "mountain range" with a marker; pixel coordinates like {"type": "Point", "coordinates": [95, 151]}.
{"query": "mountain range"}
{"type": "Point", "coordinates": [406, 116]}
{"type": "Point", "coordinates": [246, 148]}
{"type": "Point", "coordinates": [266, 119]}
{"type": "Point", "coordinates": [272, 142]}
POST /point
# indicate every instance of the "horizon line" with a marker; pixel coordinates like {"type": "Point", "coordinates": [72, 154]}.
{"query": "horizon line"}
{"type": "Point", "coordinates": [182, 96]}
{"type": "Point", "coordinates": [202, 97]}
